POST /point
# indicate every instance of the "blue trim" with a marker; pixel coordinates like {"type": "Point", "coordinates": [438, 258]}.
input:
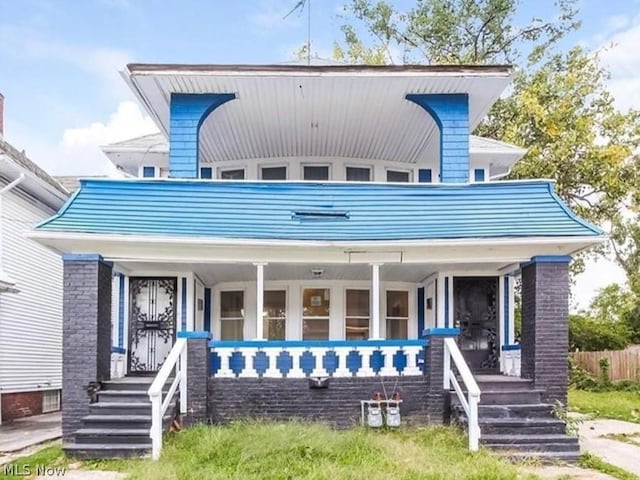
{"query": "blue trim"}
{"type": "Point", "coordinates": [515, 346]}
{"type": "Point", "coordinates": [183, 303]}
{"type": "Point", "coordinates": [569, 212]}
{"type": "Point", "coordinates": [551, 259]}
{"type": "Point", "coordinates": [195, 334]}
{"type": "Point", "coordinates": [64, 208]}
{"type": "Point", "coordinates": [148, 172]}
{"type": "Point", "coordinates": [121, 310]}
{"type": "Point", "coordinates": [441, 332]}
{"type": "Point", "coordinates": [478, 175]}
{"type": "Point", "coordinates": [207, 309]}
{"type": "Point", "coordinates": [82, 257]}
{"type": "Point", "coordinates": [314, 343]}
{"type": "Point", "coordinates": [118, 350]}
{"type": "Point", "coordinates": [425, 175]}
{"type": "Point", "coordinates": [420, 309]}
{"type": "Point", "coordinates": [206, 173]}
{"type": "Point", "coordinates": [446, 302]}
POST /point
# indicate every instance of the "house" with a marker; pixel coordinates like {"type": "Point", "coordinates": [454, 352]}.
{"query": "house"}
{"type": "Point", "coordinates": [300, 240]}
{"type": "Point", "coordinates": [30, 288]}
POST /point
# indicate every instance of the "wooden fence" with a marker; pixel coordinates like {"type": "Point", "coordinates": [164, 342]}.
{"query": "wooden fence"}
{"type": "Point", "coordinates": [623, 364]}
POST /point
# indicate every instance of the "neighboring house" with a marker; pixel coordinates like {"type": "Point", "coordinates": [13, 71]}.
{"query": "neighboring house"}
{"type": "Point", "coordinates": [337, 232]}
{"type": "Point", "coordinates": [30, 289]}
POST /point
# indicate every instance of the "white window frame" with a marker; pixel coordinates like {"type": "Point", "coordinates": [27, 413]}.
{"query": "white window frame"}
{"type": "Point", "coordinates": [359, 317]}
{"type": "Point", "coordinates": [242, 310]}
{"type": "Point", "coordinates": [351, 165]}
{"type": "Point", "coordinates": [274, 165]}
{"type": "Point", "coordinates": [220, 170]}
{"type": "Point", "coordinates": [404, 170]}
{"type": "Point", "coordinates": [386, 304]}
{"type": "Point", "coordinates": [303, 317]}
{"type": "Point", "coordinates": [50, 401]}
{"type": "Point", "coordinates": [286, 308]}
{"type": "Point", "coordinates": [328, 165]}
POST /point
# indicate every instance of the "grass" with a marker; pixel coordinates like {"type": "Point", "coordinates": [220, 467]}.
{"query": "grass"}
{"type": "Point", "coordinates": [595, 463]}
{"type": "Point", "coordinates": [300, 450]}
{"type": "Point", "coordinates": [616, 405]}
{"type": "Point", "coordinates": [49, 457]}
{"type": "Point", "coordinates": [625, 438]}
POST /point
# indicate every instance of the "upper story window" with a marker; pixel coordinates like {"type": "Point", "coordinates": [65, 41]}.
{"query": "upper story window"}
{"type": "Point", "coordinates": [358, 174]}
{"type": "Point", "coordinates": [425, 175]}
{"type": "Point", "coordinates": [206, 172]}
{"type": "Point", "coordinates": [398, 176]}
{"type": "Point", "coordinates": [315, 172]}
{"type": "Point", "coordinates": [232, 174]}
{"type": "Point", "coordinates": [273, 173]}
{"type": "Point", "coordinates": [478, 175]}
{"type": "Point", "coordinates": [148, 172]}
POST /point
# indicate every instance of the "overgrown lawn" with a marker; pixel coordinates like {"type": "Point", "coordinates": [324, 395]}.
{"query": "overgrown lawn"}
{"type": "Point", "coordinates": [618, 405]}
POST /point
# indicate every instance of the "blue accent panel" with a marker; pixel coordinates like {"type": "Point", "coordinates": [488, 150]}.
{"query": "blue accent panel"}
{"type": "Point", "coordinates": [451, 114]}
{"type": "Point", "coordinates": [121, 301]}
{"type": "Point", "coordinates": [260, 362]}
{"type": "Point", "coordinates": [441, 332]}
{"type": "Point", "coordinates": [400, 361]}
{"type": "Point", "coordinates": [210, 209]}
{"type": "Point", "coordinates": [313, 343]}
{"type": "Point", "coordinates": [206, 173]}
{"type": "Point", "coordinates": [330, 362]}
{"type": "Point", "coordinates": [354, 361]}
{"type": "Point", "coordinates": [420, 309]}
{"type": "Point", "coordinates": [446, 302]}
{"type": "Point", "coordinates": [284, 363]}
{"type": "Point", "coordinates": [505, 312]}
{"type": "Point", "coordinates": [513, 346]}
{"type": "Point", "coordinates": [187, 113]}
{"type": "Point", "coordinates": [82, 257]}
{"type": "Point", "coordinates": [376, 361]}
{"type": "Point", "coordinates": [207, 309]}
{"type": "Point", "coordinates": [215, 363]}
{"type": "Point", "coordinates": [148, 172]}
{"type": "Point", "coordinates": [425, 175]}
{"type": "Point", "coordinates": [478, 175]}
{"type": "Point", "coordinates": [183, 303]}
{"type": "Point", "coordinates": [237, 363]}
{"type": "Point", "coordinates": [118, 350]}
{"type": "Point", "coordinates": [307, 362]}
{"type": "Point", "coordinates": [551, 259]}
{"type": "Point", "coordinates": [196, 334]}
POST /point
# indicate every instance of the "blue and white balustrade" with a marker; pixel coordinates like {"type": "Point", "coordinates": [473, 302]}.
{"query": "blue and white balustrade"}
{"type": "Point", "coordinates": [300, 359]}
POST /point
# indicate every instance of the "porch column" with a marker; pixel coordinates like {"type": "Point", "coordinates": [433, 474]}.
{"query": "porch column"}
{"type": "Point", "coordinates": [437, 398]}
{"type": "Point", "coordinates": [375, 301]}
{"type": "Point", "coordinates": [197, 377]}
{"type": "Point", "coordinates": [259, 300]}
{"type": "Point", "coordinates": [86, 335]}
{"type": "Point", "coordinates": [545, 326]}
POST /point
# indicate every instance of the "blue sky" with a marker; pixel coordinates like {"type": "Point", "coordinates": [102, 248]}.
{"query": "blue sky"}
{"type": "Point", "coordinates": [59, 59]}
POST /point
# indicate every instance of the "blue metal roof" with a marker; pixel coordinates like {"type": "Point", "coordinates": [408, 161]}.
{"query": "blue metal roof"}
{"type": "Point", "coordinates": [317, 211]}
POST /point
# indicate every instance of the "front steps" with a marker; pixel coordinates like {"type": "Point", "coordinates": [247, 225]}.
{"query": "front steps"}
{"type": "Point", "coordinates": [515, 423]}
{"type": "Point", "coordinates": [118, 423]}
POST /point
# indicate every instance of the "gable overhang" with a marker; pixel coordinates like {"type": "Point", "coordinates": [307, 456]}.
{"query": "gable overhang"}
{"type": "Point", "coordinates": [310, 111]}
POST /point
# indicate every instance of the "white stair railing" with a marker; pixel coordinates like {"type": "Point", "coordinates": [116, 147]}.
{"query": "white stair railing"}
{"type": "Point", "coordinates": [470, 402]}
{"type": "Point", "coordinates": [176, 361]}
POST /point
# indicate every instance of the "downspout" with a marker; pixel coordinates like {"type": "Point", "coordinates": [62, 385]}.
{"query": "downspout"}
{"type": "Point", "coordinates": [4, 190]}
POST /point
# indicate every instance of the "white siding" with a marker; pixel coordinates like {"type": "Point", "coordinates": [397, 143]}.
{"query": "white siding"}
{"type": "Point", "coordinates": [31, 320]}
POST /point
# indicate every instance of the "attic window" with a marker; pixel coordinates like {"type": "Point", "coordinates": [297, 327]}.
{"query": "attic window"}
{"type": "Point", "coordinates": [319, 215]}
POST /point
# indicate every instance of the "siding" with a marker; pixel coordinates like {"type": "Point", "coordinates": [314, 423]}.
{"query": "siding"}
{"type": "Point", "coordinates": [318, 211]}
{"type": "Point", "coordinates": [31, 320]}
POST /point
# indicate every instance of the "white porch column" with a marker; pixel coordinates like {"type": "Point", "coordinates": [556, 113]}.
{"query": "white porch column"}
{"type": "Point", "coordinates": [259, 300]}
{"type": "Point", "coordinates": [375, 301]}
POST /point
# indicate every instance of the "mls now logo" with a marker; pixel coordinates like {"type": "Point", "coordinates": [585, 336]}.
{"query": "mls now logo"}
{"type": "Point", "coordinates": [27, 470]}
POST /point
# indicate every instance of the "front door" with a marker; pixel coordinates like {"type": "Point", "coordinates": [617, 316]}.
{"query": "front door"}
{"type": "Point", "coordinates": [475, 313]}
{"type": "Point", "coordinates": [152, 322]}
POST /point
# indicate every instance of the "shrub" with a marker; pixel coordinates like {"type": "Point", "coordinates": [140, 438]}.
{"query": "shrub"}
{"type": "Point", "coordinates": [588, 334]}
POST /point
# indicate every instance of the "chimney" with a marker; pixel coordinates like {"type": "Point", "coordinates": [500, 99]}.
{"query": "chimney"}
{"type": "Point", "coordinates": [1, 115]}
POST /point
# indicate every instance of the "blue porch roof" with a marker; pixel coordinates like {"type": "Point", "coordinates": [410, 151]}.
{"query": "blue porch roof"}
{"type": "Point", "coordinates": [318, 211]}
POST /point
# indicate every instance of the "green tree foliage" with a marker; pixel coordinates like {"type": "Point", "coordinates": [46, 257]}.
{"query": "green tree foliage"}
{"type": "Point", "coordinates": [589, 334]}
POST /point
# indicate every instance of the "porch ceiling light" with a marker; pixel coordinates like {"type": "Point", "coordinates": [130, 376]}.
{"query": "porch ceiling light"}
{"type": "Point", "coordinates": [317, 272]}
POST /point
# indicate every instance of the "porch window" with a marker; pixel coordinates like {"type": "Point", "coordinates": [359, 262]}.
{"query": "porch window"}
{"type": "Point", "coordinates": [231, 315]}
{"type": "Point", "coordinates": [315, 313]}
{"type": "Point", "coordinates": [398, 176]}
{"type": "Point", "coordinates": [273, 173]}
{"type": "Point", "coordinates": [357, 318]}
{"type": "Point", "coordinates": [233, 174]}
{"type": "Point", "coordinates": [275, 318]}
{"type": "Point", "coordinates": [358, 174]}
{"type": "Point", "coordinates": [397, 314]}
{"type": "Point", "coordinates": [316, 172]}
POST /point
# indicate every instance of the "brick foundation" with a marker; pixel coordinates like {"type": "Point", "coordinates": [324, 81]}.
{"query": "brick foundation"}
{"type": "Point", "coordinates": [21, 404]}
{"type": "Point", "coordinates": [291, 398]}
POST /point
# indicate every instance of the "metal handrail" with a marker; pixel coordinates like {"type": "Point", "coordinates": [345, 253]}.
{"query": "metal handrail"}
{"type": "Point", "coordinates": [469, 403]}
{"type": "Point", "coordinates": [176, 360]}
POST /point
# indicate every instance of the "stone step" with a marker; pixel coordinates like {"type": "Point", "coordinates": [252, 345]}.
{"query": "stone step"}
{"type": "Point", "coordinates": [118, 408]}
{"type": "Point", "coordinates": [122, 396]}
{"type": "Point", "coordinates": [117, 421]}
{"type": "Point", "coordinates": [508, 383]}
{"type": "Point", "coordinates": [528, 439]}
{"type": "Point", "coordinates": [534, 447]}
{"type": "Point", "coordinates": [510, 397]}
{"type": "Point", "coordinates": [540, 410]}
{"type": "Point", "coordinates": [520, 426]}
{"type": "Point", "coordinates": [113, 436]}
{"type": "Point", "coordinates": [109, 450]}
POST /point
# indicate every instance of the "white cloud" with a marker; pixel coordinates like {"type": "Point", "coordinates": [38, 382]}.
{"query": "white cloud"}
{"type": "Point", "coordinates": [597, 275]}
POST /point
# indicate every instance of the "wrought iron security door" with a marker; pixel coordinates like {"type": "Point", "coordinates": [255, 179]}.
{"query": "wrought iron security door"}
{"type": "Point", "coordinates": [152, 322]}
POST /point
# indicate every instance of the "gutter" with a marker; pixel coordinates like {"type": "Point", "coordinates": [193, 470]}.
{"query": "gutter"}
{"type": "Point", "coordinates": [7, 285]}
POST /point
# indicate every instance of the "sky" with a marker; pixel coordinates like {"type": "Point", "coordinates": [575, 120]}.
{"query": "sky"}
{"type": "Point", "coordinates": [60, 62]}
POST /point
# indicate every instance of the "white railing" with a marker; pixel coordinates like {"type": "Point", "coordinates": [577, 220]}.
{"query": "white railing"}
{"type": "Point", "coordinates": [176, 362]}
{"type": "Point", "coordinates": [469, 403]}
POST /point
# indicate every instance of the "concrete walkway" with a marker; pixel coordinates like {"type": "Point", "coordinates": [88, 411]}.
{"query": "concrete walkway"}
{"type": "Point", "coordinates": [25, 432]}
{"type": "Point", "coordinates": [620, 454]}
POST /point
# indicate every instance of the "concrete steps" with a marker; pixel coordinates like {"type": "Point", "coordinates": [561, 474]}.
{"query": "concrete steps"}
{"type": "Point", "coordinates": [516, 424]}
{"type": "Point", "coordinates": [118, 423]}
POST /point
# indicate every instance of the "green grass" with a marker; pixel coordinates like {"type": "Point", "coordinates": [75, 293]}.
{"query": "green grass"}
{"type": "Point", "coordinates": [595, 463]}
{"type": "Point", "coordinates": [617, 405]}
{"type": "Point", "coordinates": [624, 438]}
{"type": "Point", "coordinates": [50, 457]}
{"type": "Point", "coordinates": [299, 450]}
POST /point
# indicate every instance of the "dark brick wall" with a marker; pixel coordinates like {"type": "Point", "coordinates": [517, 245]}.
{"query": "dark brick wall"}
{"type": "Point", "coordinates": [21, 404]}
{"type": "Point", "coordinates": [437, 407]}
{"type": "Point", "coordinates": [545, 331]}
{"type": "Point", "coordinates": [291, 398]}
{"type": "Point", "coordinates": [86, 333]}
{"type": "Point", "coordinates": [197, 376]}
